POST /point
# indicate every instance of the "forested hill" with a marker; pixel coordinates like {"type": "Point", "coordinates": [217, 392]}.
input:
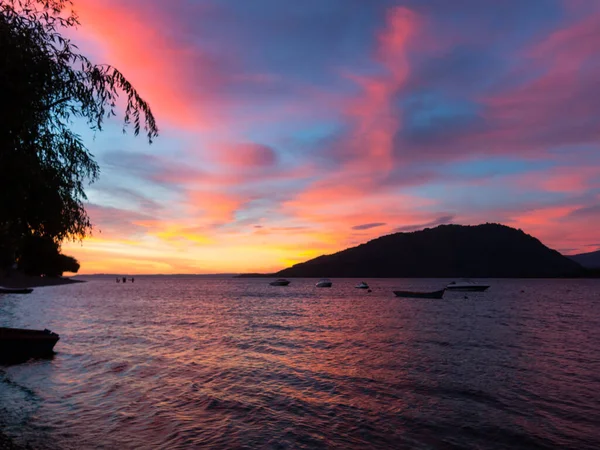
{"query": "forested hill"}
{"type": "Point", "coordinates": [489, 250]}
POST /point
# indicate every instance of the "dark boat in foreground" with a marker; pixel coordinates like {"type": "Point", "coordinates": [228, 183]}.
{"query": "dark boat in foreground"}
{"type": "Point", "coordinates": [4, 290]}
{"type": "Point", "coordinates": [20, 344]}
{"type": "Point", "coordinates": [413, 294]}
{"type": "Point", "coordinates": [279, 282]}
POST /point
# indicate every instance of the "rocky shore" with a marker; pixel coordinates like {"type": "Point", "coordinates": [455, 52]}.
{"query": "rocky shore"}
{"type": "Point", "coordinates": [19, 280]}
{"type": "Point", "coordinates": [6, 444]}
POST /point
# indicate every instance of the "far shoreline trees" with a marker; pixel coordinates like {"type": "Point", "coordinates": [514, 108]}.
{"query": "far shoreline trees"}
{"type": "Point", "coordinates": [44, 166]}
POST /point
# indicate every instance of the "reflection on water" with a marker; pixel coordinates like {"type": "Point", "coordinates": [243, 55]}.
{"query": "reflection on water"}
{"type": "Point", "coordinates": [178, 362]}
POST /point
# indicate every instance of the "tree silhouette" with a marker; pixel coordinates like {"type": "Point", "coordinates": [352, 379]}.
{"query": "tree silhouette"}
{"type": "Point", "coordinates": [46, 84]}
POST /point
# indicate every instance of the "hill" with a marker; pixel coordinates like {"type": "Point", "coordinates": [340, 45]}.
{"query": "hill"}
{"type": "Point", "coordinates": [489, 251]}
{"type": "Point", "coordinates": [588, 260]}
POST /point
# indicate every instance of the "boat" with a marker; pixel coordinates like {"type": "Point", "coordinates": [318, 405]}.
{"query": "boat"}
{"type": "Point", "coordinates": [467, 286]}
{"type": "Point", "coordinates": [19, 344]}
{"type": "Point", "coordinates": [324, 282]}
{"type": "Point", "coordinates": [414, 294]}
{"type": "Point", "coordinates": [279, 282]}
{"type": "Point", "coordinates": [4, 290]}
{"type": "Point", "coordinates": [362, 285]}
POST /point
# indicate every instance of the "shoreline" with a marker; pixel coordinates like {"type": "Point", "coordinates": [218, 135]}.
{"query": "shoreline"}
{"type": "Point", "coordinates": [19, 280]}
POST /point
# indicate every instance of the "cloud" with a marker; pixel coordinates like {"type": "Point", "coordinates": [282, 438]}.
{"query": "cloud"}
{"type": "Point", "coordinates": [110, 222]}
{"type": "Point", "coordinates": [484, 109]}
{"type": "Point", "coordinates": [247, 155]}
{"type": "Point", "coordinates": [368, 226]}
{"type": "Point", "coordinates": [158, 169]}
{"type": "Point", "coordinates": [587, 212]}
{"type": "Point", "coordinates": [215, 207]}
{"type": "Point", "coordinates": [434, 223]}
{"type": "Point", "coordinates": [177, 78]}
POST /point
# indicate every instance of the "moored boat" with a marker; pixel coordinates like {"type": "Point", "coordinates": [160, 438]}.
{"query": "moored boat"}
{"type": "Point", "coordinates": [324, 283]}
{"type": "Point", "coordinates": [18, 344]}
{"type": "Point", "coordinates": [280, 282]}
{"type": "Point", "coordinates": [467, 286]}
{"type": "Point", "coordinates": [418, 294]}
{"type": "Point", "coordinates": [362, 285]}
{"type": "Point", "coordinates": [4, 290]}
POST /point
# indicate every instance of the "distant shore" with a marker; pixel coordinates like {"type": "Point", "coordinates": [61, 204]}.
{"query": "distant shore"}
{"type": "Point", "coordinates": [19, 280]}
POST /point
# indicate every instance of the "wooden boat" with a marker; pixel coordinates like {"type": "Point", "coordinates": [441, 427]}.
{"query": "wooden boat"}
{"type": "Point", "coordinates": [413, 294]}
{"type": "Point", "coordinates": [467, 286]}
{"type": "Point", "coordinates": [4, 290]}
{"type": "Point", "coordinates": [279, 282]}
{"type": "Point", "coordinates": [19, 344]}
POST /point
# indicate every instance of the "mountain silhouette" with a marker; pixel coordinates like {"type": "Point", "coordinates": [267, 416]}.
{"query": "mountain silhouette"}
{"type": "Point", "coordinates": [589, 260]}
{"type": "Point", "coordinates": [487, 251]}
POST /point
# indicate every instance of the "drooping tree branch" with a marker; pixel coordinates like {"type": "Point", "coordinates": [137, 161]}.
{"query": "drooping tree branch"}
{"type": "Point", "coordinates": [48, 83]}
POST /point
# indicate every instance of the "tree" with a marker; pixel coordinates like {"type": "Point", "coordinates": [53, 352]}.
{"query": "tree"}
{"type": "Point", "coordinates": [47, 83]}
{"type": "Point", "coordinates": [40, 255]}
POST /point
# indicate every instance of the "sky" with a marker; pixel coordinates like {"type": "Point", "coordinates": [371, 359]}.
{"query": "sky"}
{"type": "Point", "coordinates": [290, 129]}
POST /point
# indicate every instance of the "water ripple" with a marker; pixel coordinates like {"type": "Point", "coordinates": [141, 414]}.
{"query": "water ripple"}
{"type": "Point", "coordinates": [184, 362]}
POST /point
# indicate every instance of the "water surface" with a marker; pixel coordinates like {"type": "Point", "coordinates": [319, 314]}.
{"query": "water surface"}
{"type": "Point", "coordinates": [184, 362]}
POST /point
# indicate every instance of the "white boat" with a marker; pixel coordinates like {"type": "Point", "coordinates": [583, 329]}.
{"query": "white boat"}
{"type": "Point", "coordinates": [362, 285]}
{"type": "Point", "coordinates": [467, 286]}
{"type": "Point", "coordinates": [279, 282]}
{"type": "Point", "coordinates": [324, 282]}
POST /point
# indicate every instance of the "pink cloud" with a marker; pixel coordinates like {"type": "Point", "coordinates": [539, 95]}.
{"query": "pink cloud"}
{"type": "Point", "coordinates": [116, 223]}
{"type": "Point", "coordinates": [568, 48]}
{"type": "Point", "coordinates": [245, 155]}
{"type": "Point", "coordinates": [180, 80]}
{"type": "Point", "coordinates": [547, 101]}
{"type": "Point", "coordinates": [557, 227]}
{"type": "Point", "coordinates": [568, 179]}
{"type": "Point", "coordinates": [556, 108]}
{"type": "Point", "coordinates": [374, 117]}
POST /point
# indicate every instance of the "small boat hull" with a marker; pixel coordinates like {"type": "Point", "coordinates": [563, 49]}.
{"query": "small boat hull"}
{"type": "Point", "coordinates": [474, 288]}
{"type": "Point", "coordinates": [412, 294]}
{"type": "Point", "coordinates": [20, 344]}
{"type": "Point", "coordinates": [324, 283]}
{"type": "Point", "coordinates": [279, 283]}
{"type": "Point", "coordinates": [4, 290]}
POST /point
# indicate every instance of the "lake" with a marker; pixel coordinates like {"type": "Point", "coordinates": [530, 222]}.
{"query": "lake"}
{"type": "Point", "coordinates": [188, 362]}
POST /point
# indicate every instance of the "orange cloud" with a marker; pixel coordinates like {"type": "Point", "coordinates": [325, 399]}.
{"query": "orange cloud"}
{"type": "Point", "coordinates": [216, 207]}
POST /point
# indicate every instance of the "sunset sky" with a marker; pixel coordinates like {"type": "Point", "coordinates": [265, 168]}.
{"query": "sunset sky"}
{"type": "Point", "coordinates": [289, 129]}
